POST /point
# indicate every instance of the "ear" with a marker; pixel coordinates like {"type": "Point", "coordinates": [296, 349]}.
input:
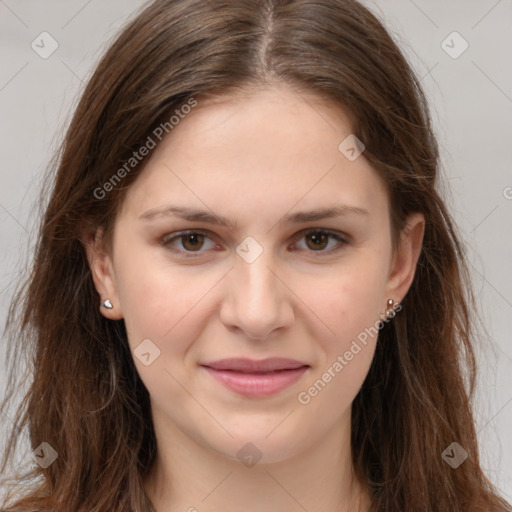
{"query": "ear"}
{"type": "Point", "coordinates": [102, 272]}
{"type": "Point", "coordinates": [404, 262]}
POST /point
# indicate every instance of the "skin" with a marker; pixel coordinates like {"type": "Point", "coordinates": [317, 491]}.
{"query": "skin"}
{"type": "Point", "coordinates": [254, 159]}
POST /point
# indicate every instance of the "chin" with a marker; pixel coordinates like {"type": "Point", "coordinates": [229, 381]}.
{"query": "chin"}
{"type": "Point", "coordinates": [252, 445]}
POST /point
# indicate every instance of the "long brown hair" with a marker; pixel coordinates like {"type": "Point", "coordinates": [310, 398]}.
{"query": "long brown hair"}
{"type": "Point", "coordinates": [86, 399]}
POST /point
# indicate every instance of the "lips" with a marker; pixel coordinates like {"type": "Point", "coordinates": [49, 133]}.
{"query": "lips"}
{"type": "Point", "coordinates": [252, 378]}
{"type": "Point", "coordinates": [251, 366]}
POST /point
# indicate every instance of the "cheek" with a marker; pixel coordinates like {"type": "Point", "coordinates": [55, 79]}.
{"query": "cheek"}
{"type": "Point", "coordinates": [161, 300]}
{"type": "Point", "coordinates": [157, 298]}
{"type": "Point", "coordinates": [345, 302]}
{"type": "Point", "coordinates": [165, 305]}
{"type": "Point", "coordinates": [350, 306]}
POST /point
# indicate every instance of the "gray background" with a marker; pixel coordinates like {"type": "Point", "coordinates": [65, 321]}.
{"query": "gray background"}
{"type": "Point", "coordinates": [471, 101]}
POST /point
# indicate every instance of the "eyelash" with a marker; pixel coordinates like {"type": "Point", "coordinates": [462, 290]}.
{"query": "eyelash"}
{"type": "Point", "coordinates": [168, 239]}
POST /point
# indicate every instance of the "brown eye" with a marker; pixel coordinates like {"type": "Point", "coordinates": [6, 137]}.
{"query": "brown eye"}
{"type": "Point", "coordinates": [317, 240]}
{"type": "Point", "coordinates": [193, 241]}
{"type": "Point", "coordinates": [187, 243]}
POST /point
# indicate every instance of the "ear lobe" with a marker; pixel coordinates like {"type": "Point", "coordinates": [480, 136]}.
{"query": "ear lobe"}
{"type": "Point", "coordinates": [102, 273]}
{"type": "Point", "coordinates": [406, 258]}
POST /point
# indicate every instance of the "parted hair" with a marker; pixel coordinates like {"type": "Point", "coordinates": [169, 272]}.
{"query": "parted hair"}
{"type": "Point", "coordinates": [85, 397]}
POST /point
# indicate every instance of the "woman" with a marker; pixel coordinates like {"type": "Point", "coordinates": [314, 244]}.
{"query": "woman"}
{"type": "Point", "coordinates": [245, 276]}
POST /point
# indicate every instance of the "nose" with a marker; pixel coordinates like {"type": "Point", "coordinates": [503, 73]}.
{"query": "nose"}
{"type": "Point", "coordinates": [257, 300]}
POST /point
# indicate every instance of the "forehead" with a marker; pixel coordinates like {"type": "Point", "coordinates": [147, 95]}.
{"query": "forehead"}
{"type": "Point", "coordinates": [273, 147]}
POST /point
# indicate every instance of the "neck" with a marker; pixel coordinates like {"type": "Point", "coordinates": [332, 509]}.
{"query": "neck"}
{"type": "Point", "coordinates": [188, 476]}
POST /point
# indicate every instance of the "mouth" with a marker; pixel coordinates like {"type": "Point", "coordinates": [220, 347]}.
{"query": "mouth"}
{"type": "Point", "coordinates": [252, 378]}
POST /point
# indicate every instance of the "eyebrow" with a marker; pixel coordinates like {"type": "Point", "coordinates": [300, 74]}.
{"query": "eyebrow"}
{"type": "Point", "coordinates": [192, 214]}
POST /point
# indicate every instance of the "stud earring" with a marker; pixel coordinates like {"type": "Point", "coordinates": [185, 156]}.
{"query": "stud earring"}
{"type": "Point", "coordinates": [390, 311]}
{"type": "Point", "coordinates": [107, 304]}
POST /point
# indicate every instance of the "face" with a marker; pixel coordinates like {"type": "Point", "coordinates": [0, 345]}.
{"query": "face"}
{"type": "Point", "coordinates": [251, 330]}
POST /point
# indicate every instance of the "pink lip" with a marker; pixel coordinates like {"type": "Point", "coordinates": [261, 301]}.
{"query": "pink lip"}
{"type": "Point", "coordinates": [256, 378]}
